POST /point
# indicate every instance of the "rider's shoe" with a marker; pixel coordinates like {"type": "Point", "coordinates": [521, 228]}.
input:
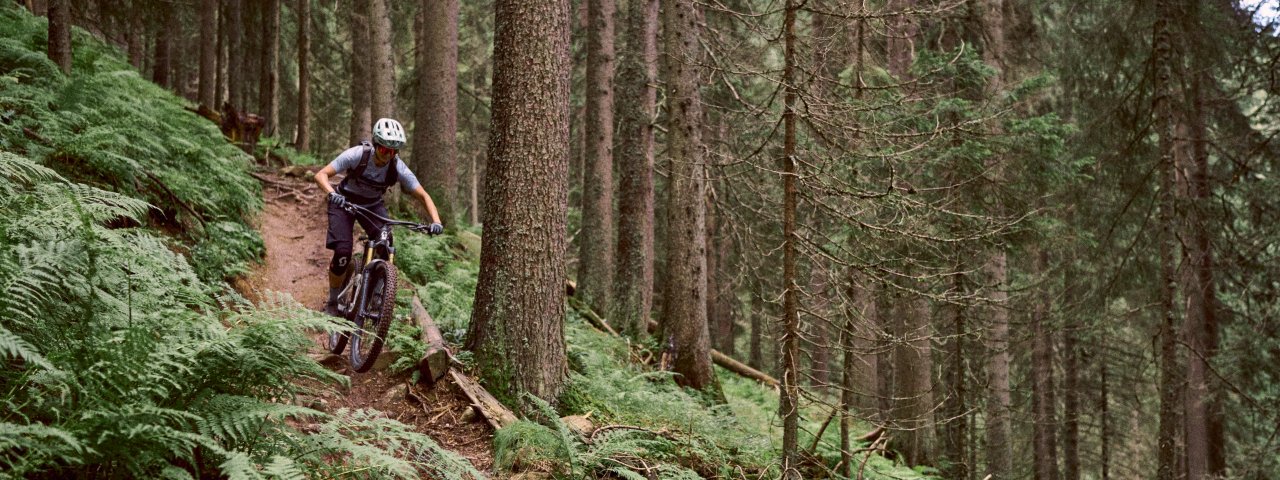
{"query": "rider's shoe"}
{"type": "Point", "coordinates": [331, 309]}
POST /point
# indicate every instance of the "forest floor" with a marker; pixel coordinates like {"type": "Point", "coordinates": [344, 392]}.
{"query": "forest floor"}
{"type": "Point", "coordinates": [293, 226]}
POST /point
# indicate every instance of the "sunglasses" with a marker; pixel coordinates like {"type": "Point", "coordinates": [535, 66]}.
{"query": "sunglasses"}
{"type": "Point", "coordinates": [385, 150]}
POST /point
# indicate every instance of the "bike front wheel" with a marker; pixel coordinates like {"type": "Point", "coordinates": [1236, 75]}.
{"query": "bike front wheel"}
{"type": "Point", "coordinates": [375, 310]}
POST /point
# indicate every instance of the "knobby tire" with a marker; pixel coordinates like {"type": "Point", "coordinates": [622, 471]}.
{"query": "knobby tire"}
{"type": "Point", "coordinates": [384, 301]}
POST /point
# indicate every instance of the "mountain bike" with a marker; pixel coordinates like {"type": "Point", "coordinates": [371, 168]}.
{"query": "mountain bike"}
{"type": "Point", "coordinates": [368, 298]}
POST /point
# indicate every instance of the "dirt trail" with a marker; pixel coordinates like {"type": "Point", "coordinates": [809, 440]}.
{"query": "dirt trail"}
{"type": "Point", "coordinates": [293, 225]}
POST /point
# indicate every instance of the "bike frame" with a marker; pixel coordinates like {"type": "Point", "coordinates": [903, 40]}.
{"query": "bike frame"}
{"type": "Point", "coordinates": [379, 249]}
{"type": "Point", "coordinates": [352, 299]}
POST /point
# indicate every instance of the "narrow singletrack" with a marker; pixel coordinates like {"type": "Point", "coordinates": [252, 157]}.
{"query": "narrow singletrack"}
{"type": "Point", "coordinates": [293, 225]}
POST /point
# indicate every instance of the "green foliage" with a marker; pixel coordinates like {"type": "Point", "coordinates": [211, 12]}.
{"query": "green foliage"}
{"type": "Point", "coordinates": [274, 147]}
{"type": "Point", "coordinates": [446, 277]}
{"type": "Point", "coordinates": [105, 126]}
{"type": "Point", "coordinates": [555, 448]}
{"type": "Point", "coordinates": [120, 366]}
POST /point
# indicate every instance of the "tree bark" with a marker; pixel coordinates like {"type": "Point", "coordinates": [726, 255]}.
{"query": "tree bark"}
{"type": "Point", "coordinates": [755, 358]}
{"type": "Point", "coordinates": [517, 324]}
{"type": "Point", "coordinates": [685, 323]}
{"type": "Point", "coordinates": [1200, 326]}
{"type": "Point", "coordinates": [235, 55]}
{"type": "Point", "coordinates": [137, 41]}
{"type": "Point", "coordinates": [383, 74]}
{"type": "Point", "coordinates": [208, 53]}
{"type": "Point", "coordinates": [955, 430]}
{"type": "Point", "coordinates": [816, 345]}
{"type": "Point", "coordinates": [913, 383]}
{"type": "Point", "coordinates": [1043, 402]}
{"type": "Point", "coordinates": [162, 66]}
{"type": "Point", "coordinates": [1070, 389]}
{"type": "Point", "coordinates": [436, 114]}
{"type": "Point", "coordinates": [788, 403]}
{"type": "Point", "coordinates": [60, 34]}
{"type": "Point", "coordinates": [637, 107]}
{"type": "Point", "coordinates": [221, 94]}
{"type": "Point", "coordinates": [901, 41]}
{"type": "Point", "coordinates": [361, 72]}
{"type": "Point", "coordinates": [1165, 123]}
{"type": "Point", "coordinates": [1104, 408]}
{"type": "Point", "coordinates": [269, 89]}
{"type": "Point", "coordinates": [999, 432]}
{"type": "Point", "coordinates": [302, 137]}
{"type": "Point", "coordinates": [595, 257]}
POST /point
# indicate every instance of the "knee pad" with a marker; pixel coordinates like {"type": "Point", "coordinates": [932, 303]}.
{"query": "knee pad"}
{"type": "Point", "coordinates": [340, 262]}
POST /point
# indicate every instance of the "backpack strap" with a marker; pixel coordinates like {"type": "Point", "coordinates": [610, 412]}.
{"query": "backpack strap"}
{"type": "Point", "coordinates": [393, 173]}
{"type": "Point", "coordinates": [364, 159]}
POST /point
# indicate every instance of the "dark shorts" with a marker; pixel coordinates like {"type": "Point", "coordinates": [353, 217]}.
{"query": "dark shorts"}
{"type": "Point", "coordinates": [342, 223]}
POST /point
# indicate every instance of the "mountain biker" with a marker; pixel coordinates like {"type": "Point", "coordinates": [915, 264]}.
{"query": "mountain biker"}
{"type": "Point", "coordinates": [371, 170]}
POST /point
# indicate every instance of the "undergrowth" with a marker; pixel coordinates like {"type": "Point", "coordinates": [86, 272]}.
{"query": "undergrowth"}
{"type": "Point", "coordinates": [659, 429]}
{"type": "Point", "coordinates": [107, 127]}
{"type": "Point", "coordinates": [119, 365]}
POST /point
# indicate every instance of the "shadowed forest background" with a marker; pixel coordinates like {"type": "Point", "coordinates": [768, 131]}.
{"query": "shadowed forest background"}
{"type": "Point", "coordinates": [957, 239]}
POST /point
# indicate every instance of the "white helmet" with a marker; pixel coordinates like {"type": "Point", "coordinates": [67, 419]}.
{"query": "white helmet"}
{"type": "Point", "coordinates": [388, 133]}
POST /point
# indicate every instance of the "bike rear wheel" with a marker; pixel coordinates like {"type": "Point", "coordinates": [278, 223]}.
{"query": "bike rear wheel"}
{"type": "Point", "coordinates": [375, 310]}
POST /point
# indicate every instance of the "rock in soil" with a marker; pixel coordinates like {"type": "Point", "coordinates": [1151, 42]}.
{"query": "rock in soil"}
{"type": "Point", "coordinates": [396, 394]}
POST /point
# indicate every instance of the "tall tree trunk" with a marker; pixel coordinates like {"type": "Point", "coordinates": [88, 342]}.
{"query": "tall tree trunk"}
{"type": "Point", "coordinates": [1043, 401]}
{"type": "Point", "coordinates": [236, 54]}
{"type": "Point", "coordinates": [60, 34]}
{"type": "Point", "coordinates": [302, 138]}
{"type": "Point", "coordinates": [955, 431]}
{"type": "Point", "coordinates": [755, 358]}
{"type": "Point", "coordinates": [1104, 408]}
{"type": "Point", "coordinates": [913, 383]}
{"type": "Point", "coordinates": [1165, 123]}
{"type": "Point", "coordinates": [517, 324]}
{"type": "Point", "coordinates": [901, 40]}
{"type": "Point", "coordinates": [595, 258]}
{"type": "Point", "coordinates": [713, 260]}
{"type": "Point", "coordinates": [999, 432]}
{"type": "Point", "coordinates": [1070, 386]}
{"type": "Point", "coordinates": [1203, 440]}
{"type": "Point", "coordinates": [860, 386]}
{"type": "Point", "coordinates": [208, 53]}
{"type": "Point", "coordinates": [637, 100]}
{"type": "Point", "coordinates": [361, 72]}
{"type": "Point", "coordinates": [436, 113]}
{"type": "Point", "coordinates": [220, 92]}
{"type": "Point", "coordinates": [383, 76]}
{"type": "Point", "coordinates": [685, 323]}
{"type": "Point", "coordinates": [137, 41]}
{"type": "Point", "coordinates": [788, 403]}
{"type": "Point", "coordinates": [251, 16]}
{"type": "Point", "coordinates": [269, 88]}
{"type": "Point", "coordinates": [165, 36]}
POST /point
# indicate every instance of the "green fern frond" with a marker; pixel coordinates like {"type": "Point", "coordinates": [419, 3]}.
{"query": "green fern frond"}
{"type": "Point", "coordinates": [284, 468]}
{"type": "Point", "coordinates": [239, 466]}
{"type": "Point", "coordinates": [12, 346]}
{"type": "Point", "coordinates": [20, 170]}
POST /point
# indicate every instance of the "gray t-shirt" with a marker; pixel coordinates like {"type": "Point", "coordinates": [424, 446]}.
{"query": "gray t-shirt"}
{"type": "Point", "coordinates": [373, 174]}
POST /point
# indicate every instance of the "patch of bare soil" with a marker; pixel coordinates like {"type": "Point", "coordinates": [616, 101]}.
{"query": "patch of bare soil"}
{"type": "Point", "coordinates": [293, 226]}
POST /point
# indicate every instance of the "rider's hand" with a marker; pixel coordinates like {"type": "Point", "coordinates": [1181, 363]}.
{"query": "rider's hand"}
{"type": "Point", "coordinates": [337, 199]}
{"type": "Point", "coordinates": [435, 229]}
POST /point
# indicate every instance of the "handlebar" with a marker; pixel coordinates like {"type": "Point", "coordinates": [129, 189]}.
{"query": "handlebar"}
{"type": "Point", "coordinates": [359, 210]}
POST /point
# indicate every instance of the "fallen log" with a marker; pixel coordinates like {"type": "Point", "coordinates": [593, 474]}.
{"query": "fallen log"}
{"type": "Point", "coordinates": [742, 369]}
{"type": "Point", "coordinates": [732, 365]}
{"type": "Point", "coordinates": [435, 363]}
{"type": "Point", "coordinates": [591, 315]}
{"type": "Point", "coordinates": [493, 411]}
